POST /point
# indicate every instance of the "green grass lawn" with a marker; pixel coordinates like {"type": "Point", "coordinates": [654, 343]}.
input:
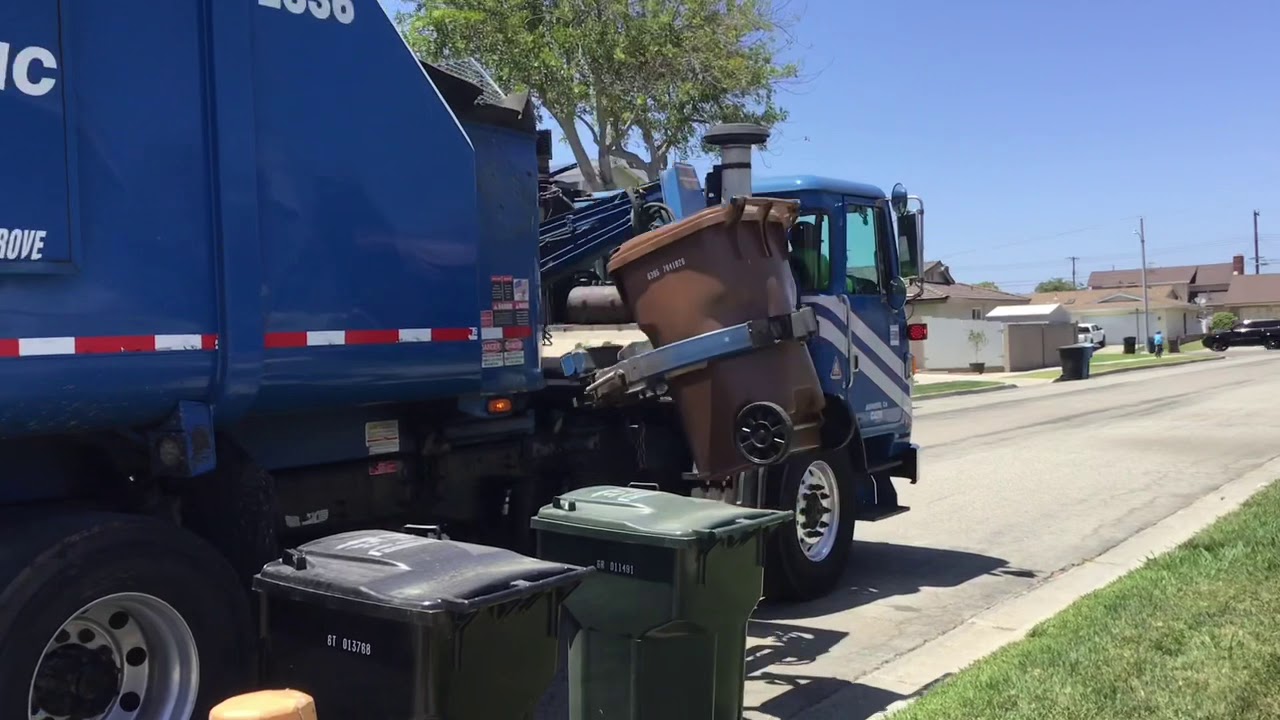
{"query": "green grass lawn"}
{"type": "Point", "coordinates": [926, 389]}
{"type": "Point", "coordinates": [1191, 635]}
{"type": "Point", "coordinates": [1103, 364]}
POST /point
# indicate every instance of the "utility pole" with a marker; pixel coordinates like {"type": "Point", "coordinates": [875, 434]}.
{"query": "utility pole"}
{"type": "Point", "coordinates": [1073, 260]}
{"type": "Point", "coordinates": [1146, 303]}
{"type": "Point", "coordinates": [1257, 256]}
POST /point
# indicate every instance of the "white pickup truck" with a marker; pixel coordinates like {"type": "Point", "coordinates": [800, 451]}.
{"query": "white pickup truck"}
{"type": "Point", "coordinates": [1091, 333]}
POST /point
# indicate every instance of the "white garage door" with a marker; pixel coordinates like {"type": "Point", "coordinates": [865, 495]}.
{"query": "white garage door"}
{"type": "Point", "coordinates": [1117, 327]}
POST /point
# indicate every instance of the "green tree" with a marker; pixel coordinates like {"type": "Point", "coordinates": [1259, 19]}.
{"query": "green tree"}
{"type": "Point", "coordinates": [988, 285]}
{"type": "Point", "coordinates": [644, 78]}
{"type": "Point", "coordinates": [1222, 321]}
{"type": "Point", "coordinates": [1056, 285]}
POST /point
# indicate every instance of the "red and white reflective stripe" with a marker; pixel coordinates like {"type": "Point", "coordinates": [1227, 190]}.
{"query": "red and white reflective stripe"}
{"type": "Point", "coordinates": [116, 344]}
{"type": "Point", "coordinates": [104, 345]}
{"type": "Point", "coordinates": [506, 333]}
{"type": "Point", "coordinates": [319, 338]}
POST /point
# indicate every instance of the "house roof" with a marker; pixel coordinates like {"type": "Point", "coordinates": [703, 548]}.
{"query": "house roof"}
{"type": "Point", "coordinates": [1041, 313]}
{"type": "Point", "coordinates": [1217, 274]}
{"type": "Point", "coordinates": [1253, 290]}
{"type": "Point", "coordinates": [1213, 274]}
{"type": "Point", "coordinates": [939, 292]}
{"type": "Point", "coordinates": [1113, 298]}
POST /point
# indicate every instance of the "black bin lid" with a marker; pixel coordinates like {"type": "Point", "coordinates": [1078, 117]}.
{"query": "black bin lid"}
{"type": "Point", "coordinates": [393, 574]}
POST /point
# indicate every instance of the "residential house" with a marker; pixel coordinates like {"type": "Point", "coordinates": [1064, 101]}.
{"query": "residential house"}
{"type": "Point", "coordinates": [1252, 297]}
{"type": "Point", "coordinates": [1201, 284]}
{"type": "Point", "coordinates": [956, 314]}
{"type": "Point", "coordinates": [1119, 311]}
{"type": "Point", "coordinates": [945, 298]}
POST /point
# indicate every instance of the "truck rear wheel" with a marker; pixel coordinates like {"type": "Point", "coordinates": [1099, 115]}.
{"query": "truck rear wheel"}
{"type": "Point", "coordinates": [107, 617]}
{"type": "Point", "coordinates": [808, 556]}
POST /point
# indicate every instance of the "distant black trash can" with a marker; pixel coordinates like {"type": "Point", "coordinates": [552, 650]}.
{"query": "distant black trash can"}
{"type": "Point", "coordinates": [1173, 345]}
{"type": "Point", "coordinates": [1075, 360]}
{"type": "Point", "coordinates": [1131, 345]}
{"type": "Point", "coordinates": [1151, 345]}
{"type": "Point", "coordinates": [376, 624]}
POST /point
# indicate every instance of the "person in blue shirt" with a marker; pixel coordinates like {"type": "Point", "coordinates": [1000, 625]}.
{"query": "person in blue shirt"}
{"type": "Point", "coordinates": [1159, 342]}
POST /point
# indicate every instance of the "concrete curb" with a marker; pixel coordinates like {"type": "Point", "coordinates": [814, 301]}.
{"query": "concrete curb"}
{"type": "Point", "coordinates": [915, 673]}
{"type": "Point", "coordinates": [958, 393]}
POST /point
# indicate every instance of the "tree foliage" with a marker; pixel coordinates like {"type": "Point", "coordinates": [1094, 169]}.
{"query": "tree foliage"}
{"type": "Point", "coordinates": [988, 284]}
{"type": "Point", "coordinates": [645, 78]}
{"type": "Point", "coordinates": [1222, 321]}
{"type": "Point", "coordinates": [1056, 285]}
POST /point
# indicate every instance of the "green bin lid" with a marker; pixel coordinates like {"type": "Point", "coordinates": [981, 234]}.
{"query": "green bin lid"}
{"type": "Point", "coordinates": [651, 517]}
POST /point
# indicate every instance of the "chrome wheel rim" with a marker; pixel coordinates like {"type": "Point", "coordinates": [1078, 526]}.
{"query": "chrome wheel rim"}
{"type": "Point", "coordinates": [818, 511]}
{"type": "Point", "coordinates": [128, 656]}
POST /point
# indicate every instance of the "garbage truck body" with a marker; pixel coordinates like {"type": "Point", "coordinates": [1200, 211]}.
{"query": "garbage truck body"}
{"type": "Point", "coordinates": [267, 277]}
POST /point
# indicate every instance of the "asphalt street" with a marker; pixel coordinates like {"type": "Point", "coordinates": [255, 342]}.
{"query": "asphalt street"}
{"type": "Point", "coordinates": [1016, 486]}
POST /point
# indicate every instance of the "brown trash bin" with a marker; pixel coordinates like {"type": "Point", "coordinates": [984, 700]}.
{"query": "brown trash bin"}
{"type": "Point", "coordinates": [724, 266]}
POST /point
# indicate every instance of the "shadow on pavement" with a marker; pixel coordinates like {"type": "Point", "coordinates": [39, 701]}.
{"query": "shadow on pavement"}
{"type": "Point", "coordinates": [772, 645]}
{"type": "Point", "coordinates": [877, 571]}
{"type": "Point", "coordinates": [884, 570]}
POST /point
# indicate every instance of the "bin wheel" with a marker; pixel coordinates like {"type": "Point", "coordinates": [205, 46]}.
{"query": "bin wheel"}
{"type": "Point", "coordinates": [111, 617]}
{"type": "Point", "coordinates": [807, 557]}
{"type": "Point", "coordinates": [763, 433]}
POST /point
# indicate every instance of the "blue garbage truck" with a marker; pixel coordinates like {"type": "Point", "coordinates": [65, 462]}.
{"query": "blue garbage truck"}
{"type": "Point", "coordinates": [269, 277]}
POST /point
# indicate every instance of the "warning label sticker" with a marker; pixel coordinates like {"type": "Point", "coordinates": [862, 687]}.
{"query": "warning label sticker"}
{"type": "Point", "coordinates": [491, 354]}
{"type": "Point", "coordinates": [520, 290]}
{"type": "Point", "coordinates": [836, 372]}
{"type": "Point", "coordinates": [513, 352]}
{"type": "Point", "coordinates": [486, 318]}
{"type": "Point", "coordinates": [382, 437]}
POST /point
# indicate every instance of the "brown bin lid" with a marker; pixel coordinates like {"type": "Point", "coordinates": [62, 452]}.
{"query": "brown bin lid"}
{"type": "Point", "coordinates": [780, 211]}
{"type": "Point", "coordinates": [266, 705]}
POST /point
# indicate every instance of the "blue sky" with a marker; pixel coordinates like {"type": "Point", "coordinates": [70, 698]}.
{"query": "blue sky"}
{"type": "Point", "coordinates": [1039, 130]}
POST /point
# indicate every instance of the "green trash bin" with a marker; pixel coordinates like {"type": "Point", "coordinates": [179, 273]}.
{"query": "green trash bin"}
{"type": "Point", "coordinates": [659, 631]}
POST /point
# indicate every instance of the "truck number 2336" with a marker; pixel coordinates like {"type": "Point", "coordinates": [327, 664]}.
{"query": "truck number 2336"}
{"type": "Point", "coordinates": [344, 11]}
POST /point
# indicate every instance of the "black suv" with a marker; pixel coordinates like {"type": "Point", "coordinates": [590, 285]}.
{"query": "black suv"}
{"type": "Point", "coordinates": [1245, 333]}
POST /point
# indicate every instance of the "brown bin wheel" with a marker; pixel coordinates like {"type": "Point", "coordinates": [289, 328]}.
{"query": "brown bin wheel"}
{"type": "Point", "coordinates": [763, 433]}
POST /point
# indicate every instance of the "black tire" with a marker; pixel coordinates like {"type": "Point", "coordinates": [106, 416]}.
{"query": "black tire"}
{"type": "Point", "coordinates": [1217, 345]}
{"type": "Point", "coordinates": [1271, 343]}
{"type": "Point", "coordinates": [790, 574]}
{"type": "Point", "coordinates": [55, 563]}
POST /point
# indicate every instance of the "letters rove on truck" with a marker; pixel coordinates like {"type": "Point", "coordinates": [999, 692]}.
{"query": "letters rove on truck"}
{"type": "Point", "coordinates": [29, 70]}
{"type": "Point", "coordinates": [19, 244]}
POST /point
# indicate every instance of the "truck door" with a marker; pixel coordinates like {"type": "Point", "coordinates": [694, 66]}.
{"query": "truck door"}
{"type": "Point", "coordinates": [879, 395]}
{"type": "Point", "coordinates": [818, 279]}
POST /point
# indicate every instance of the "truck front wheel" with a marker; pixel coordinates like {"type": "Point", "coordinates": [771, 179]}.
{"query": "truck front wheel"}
{"type": "Point", "coordinates": [111, 617]}
{"type": "Point", "coordinates": [807, 557]}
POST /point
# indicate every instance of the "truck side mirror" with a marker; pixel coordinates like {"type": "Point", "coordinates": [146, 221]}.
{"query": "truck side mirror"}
{"type": "Point", "coordinates": [911, 248]}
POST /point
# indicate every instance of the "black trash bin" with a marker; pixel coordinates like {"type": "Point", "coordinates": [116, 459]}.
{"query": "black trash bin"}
{"type": "Point", "coordinates": [1075, 360]}
{"type": "Point", "coordinates": [1131, 345]}
{"type": "Point", "coordinates": [1173, 345]}
{"type": "Point", "coordinates": [376, 624]}
{"type": "Point", "coordinates": [1151, 345]}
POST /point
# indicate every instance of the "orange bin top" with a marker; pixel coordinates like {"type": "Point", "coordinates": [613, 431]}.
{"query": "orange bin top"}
{"type": "Point", "coordinates": [266, 705]}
